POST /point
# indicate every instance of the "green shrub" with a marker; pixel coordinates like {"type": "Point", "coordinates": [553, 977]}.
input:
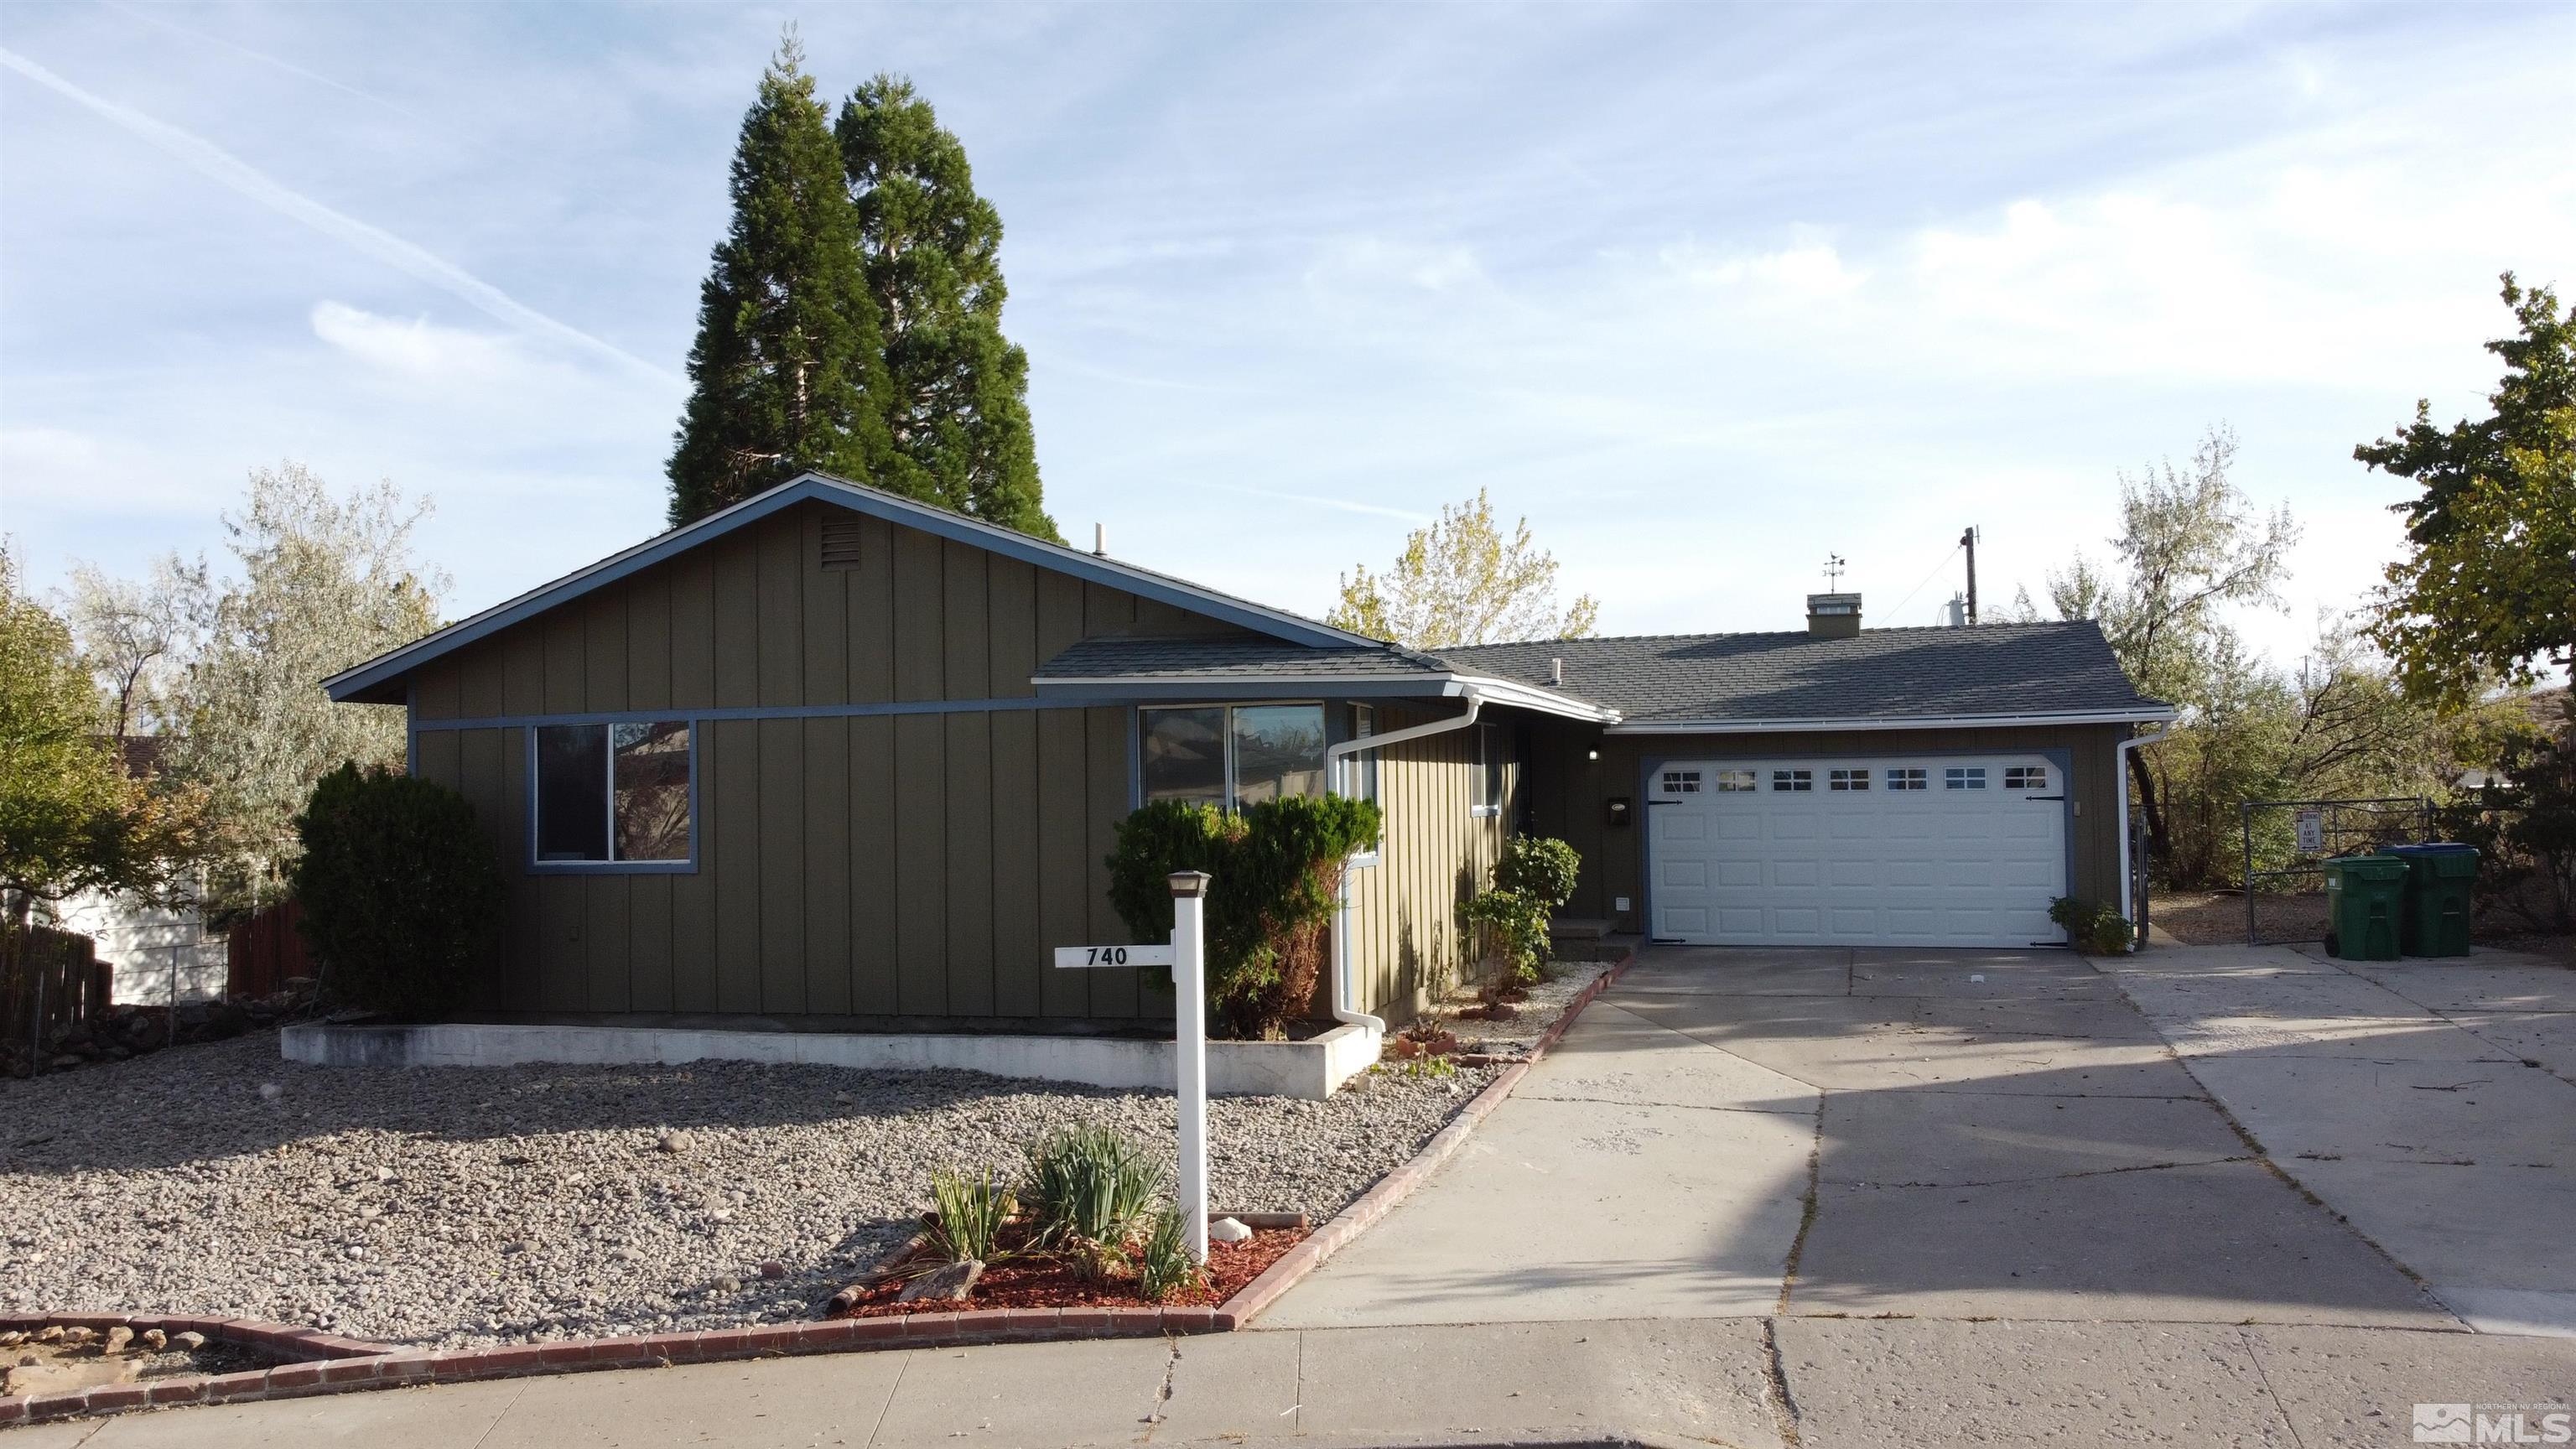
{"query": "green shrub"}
{"type": "Point", "coordinates": [402, 897]}
{"type": "Point", "coordinates": [2092, 928]}
{"type": "Point", "coordinates": [1163, 1265]}
{"type": "Point", "coordinates": [1515, 928]}
{"type": "Point", "coordinates": [1540, 868]}
{"type": "Point", "coordinates": [1092, 1190]}
{"type": "Point", "coordinates": [1534, 876]}
{"type": "Point", "coordinates": [1276, 867]}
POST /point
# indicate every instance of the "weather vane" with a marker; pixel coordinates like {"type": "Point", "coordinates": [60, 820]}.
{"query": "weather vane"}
{"type": "Point", "coordinates": [1833, 572]}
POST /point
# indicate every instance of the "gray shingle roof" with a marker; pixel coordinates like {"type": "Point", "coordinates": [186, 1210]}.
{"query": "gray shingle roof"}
{"type": "Point", "coordinates": [1987, 669]}
{"type": "Point", "coordinates": [1121, 656]}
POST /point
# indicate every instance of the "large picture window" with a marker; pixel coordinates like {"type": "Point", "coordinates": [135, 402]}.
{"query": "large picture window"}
{"type": "Point", "coordinates": [1230, 756]}
{"type": "Point", "coordinates": [614, 794]}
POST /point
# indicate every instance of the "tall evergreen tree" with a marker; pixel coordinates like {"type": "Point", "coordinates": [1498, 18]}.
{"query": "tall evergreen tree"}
{"type": "Point", "coordinates": [956, 405]}
{"type": "Point", "coordinates": [788, 370]}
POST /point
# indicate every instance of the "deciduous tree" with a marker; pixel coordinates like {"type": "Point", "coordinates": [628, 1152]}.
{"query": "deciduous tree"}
{"type": "Point", "coordinates": [71, 818]}
{"type": "Point", "coordinates": [1460, 581]}
{"type": "Point", "coordinates": [2190, 544]}
{"type": "Point", "coordinates": [137, 636]}
{"type": "Point", "coordinates": [2488, 587]}
{"type": "Point", "coordinates": [327, 581]}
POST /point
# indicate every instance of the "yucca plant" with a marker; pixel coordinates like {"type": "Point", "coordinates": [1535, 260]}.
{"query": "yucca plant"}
{"type": "Point", "coordinates": [971, 1212]}
{"type": "Point", "coordinates": [1163, 1267]}
{"type": "Point", "coordinates": [1093, 1191]}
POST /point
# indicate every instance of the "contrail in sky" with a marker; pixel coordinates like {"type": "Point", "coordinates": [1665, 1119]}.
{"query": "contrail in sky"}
{"type": "Point", "coordinates": [221, 165]}
{"type": "Point", "coordinates": [1379, 509]}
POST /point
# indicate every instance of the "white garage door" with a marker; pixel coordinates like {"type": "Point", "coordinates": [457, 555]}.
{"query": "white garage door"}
{"type": "Point", "coordinates": [1937, 851]}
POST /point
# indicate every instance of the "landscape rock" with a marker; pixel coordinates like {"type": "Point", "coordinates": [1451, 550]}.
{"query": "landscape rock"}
{"type": "Point", "coordinates": [950, 1281]}
{"type": "Point", "coordinates": [155, 1340]}
{"type": "Point", "coordinates": [174, 1185]}
{"type": "Point", "coordinates": [117, 1338]}
{"type": "Point", "coordinates": [1227, 1230]}
{"type": "Point", "coordinates": [190, 1340]}
{"type": "Point", "coordinates": [674, 1141]}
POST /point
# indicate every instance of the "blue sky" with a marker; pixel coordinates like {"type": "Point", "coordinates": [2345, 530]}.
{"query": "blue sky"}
{"type": "Point", "coordinates": [1705, 292]}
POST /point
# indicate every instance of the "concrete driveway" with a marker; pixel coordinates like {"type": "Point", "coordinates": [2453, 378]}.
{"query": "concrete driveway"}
{"type": "Point", "coordinates": [1969, 1135]}
{"type": "Point", "coordinates": [2431, 1103]}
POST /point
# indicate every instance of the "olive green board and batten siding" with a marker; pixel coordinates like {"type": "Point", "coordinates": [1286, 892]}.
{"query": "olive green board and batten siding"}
{"type": "Point", "coordinates": [912, 865]}
{"type": "Point", "coordinates": [1407, 939]}
{"type": "Point", "coordinates": [847, 867]}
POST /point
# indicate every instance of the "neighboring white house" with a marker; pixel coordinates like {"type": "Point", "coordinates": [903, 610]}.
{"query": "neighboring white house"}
{"type": "Point", "coordinates": [156, 950]}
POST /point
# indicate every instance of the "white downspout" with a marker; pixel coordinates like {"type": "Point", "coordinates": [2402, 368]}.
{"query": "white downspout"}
{"type": "Point", "coordinates": [2120, 781]}
{"type": "Point", "coordinates": [1344, 1009]}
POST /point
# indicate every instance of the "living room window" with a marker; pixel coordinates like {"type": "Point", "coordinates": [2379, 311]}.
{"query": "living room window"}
{"type": "Point", "coordinates": [614, 796]}
{"type": "Point", "coordinates": [1231, 755]}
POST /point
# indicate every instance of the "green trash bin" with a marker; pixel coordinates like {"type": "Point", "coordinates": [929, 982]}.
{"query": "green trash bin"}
{"type": "Point", "coordinates": [2365, 895]}
{"type": "Point", "coordinates": [2439, 884]}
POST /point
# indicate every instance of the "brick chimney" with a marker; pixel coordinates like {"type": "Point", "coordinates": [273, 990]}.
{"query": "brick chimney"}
{"type": "Point", "coordinates": [1833, 616]}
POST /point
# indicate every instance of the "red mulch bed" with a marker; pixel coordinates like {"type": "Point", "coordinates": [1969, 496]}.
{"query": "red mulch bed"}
{"type": "Point", "coordinates": [1049, 1283]}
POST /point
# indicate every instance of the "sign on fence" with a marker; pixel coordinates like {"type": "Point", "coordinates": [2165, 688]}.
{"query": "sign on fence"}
{"type": "Point", "coordinates": [2312, 832]}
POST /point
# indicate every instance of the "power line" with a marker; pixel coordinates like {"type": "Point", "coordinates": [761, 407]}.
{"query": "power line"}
{"type": "Point", "coordinates": [1927, 578]}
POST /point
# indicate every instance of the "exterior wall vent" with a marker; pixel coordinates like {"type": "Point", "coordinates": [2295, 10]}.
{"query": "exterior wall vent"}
{"type": "Point", "coordinates": [842, 538]}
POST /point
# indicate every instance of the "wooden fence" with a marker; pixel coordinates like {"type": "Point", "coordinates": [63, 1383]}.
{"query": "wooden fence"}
{"type": "Point", "coordinates": [265, 949]}
{"type": "Point", "coordinates": [49, 979]}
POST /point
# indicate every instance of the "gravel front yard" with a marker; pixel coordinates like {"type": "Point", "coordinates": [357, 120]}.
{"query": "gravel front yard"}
{"type": "Point", "coordinates": [455, 1206]}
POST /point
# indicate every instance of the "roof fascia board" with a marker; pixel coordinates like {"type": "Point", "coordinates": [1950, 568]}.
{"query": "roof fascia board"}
{"type": "Point", "coordinates": [1180, 593]}
{"type": "Point", "coordinates": [1908, 722]}
{"type": "Point", "coordinates": [358, 680]}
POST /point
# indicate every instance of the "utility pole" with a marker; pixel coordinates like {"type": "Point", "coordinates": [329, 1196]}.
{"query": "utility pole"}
{"type": "Point", "coordinates": [1968, 541]}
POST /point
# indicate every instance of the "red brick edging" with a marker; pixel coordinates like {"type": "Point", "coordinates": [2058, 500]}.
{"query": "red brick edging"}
{"type": "Point", "coordinates": [324, 1363]}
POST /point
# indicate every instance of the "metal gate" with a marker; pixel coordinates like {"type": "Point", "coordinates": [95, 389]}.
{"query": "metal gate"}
{"type": "Point", "coordinates": [2287, 842]}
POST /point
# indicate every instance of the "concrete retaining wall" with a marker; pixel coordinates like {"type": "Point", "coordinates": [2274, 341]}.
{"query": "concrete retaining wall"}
{"type": "Point", "coordinates": [1309, 1069]}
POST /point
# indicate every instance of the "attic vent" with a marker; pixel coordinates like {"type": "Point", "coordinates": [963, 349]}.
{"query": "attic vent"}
{"type": "Point", "coordinates": [841, 542]}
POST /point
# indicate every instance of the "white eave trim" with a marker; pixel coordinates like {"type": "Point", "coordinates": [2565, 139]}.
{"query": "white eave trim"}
{"type": "Point", "coordinates": [1247, 686]}
{"type": "Point", "coordinates": [1891, 722]}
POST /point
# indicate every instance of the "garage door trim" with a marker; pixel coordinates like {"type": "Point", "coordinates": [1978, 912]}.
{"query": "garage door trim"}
{"type": "Point", "coordinates": [1729, 748]}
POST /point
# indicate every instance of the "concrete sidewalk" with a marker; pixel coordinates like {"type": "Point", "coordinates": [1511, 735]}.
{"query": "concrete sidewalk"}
{"type": "Point", "coordinates": [1750, 1382]}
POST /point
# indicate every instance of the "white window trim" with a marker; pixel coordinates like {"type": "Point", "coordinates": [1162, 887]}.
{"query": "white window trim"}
{"type": "Point", "coordinates": [1363, 727]}
{"type": "Point", "coordinates": [1486, 734]}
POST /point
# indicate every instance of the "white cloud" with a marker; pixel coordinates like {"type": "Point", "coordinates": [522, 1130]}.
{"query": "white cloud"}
{"type": "Point", "coordinates": [1815, 271]}
{"type": "Point", "coordinates": [418, 349]}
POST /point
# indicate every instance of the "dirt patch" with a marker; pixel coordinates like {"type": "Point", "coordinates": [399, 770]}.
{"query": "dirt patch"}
{"type": "Point", "coordinates": [2217, 918]}
{"type": "Point", "coordinates": [1048, 1281]}
{"type": "Point", "coordinates": [82, 1360]}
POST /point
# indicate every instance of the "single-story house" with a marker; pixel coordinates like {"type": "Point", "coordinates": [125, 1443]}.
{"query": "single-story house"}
{"type": "Point", "coordinates": [835, 760]}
